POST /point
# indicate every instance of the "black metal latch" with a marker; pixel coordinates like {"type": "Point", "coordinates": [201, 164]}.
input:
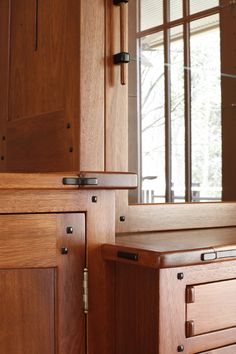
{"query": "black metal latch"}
{"type": "Point", "coordinates": [121, 58]}
{"type": "Point", "coordinates": [118, 2]}
{"type": "Point", "coordinates": [80, 181]}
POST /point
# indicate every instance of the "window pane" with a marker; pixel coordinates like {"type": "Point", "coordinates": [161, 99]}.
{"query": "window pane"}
{"type": "Point", "coordinates": [201, 5]}
{"type": "Point", "coordinates": [152, 118]}
{"type": "Point", "coordinates": [177, 114]}
{"type": "Point", "coordinates": [151, 13]}
{"type": "Point", "coordinates": [176, 9]}
{"type": "Point", "coordinates": [206, 110]}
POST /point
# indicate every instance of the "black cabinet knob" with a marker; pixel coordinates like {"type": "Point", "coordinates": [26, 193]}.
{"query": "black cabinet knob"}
{"type": "Point", "coordinates": [69, 230]}
{"type": "Point", "coordinates": [64, 250]}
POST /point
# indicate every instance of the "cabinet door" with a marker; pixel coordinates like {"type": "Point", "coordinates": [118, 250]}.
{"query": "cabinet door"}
{"type": "Point", "coordinates": [41, 294]}
{"type": "Point", "coordinates": [27, 311]}
{"type": "Point", "coordinates": [43, 52]}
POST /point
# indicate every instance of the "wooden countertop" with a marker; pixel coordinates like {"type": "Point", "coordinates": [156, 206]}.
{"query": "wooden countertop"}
{"type": "Point", "coordinates": [105, 180]}
{"type": "Point", "coordinates": [173, 249]}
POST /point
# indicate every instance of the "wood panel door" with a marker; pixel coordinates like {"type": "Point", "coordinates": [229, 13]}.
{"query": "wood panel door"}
{"type": "Point", "coordinates": [41, 283]}
{"type": "Point", "coordinates": [39, 122]}
{"type": "Point", "coordinates": [27, 311]}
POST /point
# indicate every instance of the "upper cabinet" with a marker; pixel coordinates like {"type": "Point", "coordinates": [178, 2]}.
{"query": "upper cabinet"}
{"type": "Point", "coordinates": [51, 85]}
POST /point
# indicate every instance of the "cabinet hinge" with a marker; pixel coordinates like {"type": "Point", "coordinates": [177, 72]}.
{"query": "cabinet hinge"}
{"type": "Point", "coordinates": [85, 290]}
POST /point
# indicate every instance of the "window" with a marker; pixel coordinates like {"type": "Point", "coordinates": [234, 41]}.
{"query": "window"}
{"type": "Point", "coordinates": [175, 91]}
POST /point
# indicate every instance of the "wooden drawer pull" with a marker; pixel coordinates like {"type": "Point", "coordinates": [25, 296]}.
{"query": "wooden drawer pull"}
{"type": "Point", "coordinates": [189, 329]}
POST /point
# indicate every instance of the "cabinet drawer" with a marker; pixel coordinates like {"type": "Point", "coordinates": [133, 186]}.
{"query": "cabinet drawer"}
{"type": "Point", "coordinates": [211, 307]}
{"type": "Point", "coordinates": [225, 350]}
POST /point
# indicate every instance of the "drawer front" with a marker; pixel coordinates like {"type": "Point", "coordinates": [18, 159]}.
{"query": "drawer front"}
{"type": "Point", "coordinates": [211, 307]}
{"type": "Point", "coordinates": [225, 350]}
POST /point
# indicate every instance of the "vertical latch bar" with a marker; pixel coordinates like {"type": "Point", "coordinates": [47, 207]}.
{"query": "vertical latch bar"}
{"type": "Point", "coordinates": [85, 291]}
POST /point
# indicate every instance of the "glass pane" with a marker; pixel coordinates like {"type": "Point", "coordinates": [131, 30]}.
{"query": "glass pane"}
{"type": "Point", "coordinates": [151, 13]}
{"type": "Point", "coordinates": [206, 110]}
{"type": "Point", "coordinates": [176, 9]}
{"type": "Point", "coordinates": [152, 118]}
{"type": "Point", "coordinates": [201, 5]}
{"type": "Point", "coordinates": [177, 114]}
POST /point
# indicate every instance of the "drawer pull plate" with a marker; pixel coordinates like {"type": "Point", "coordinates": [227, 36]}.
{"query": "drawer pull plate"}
{"type": "Point", "coordinates": [211, 256]}
{"type": "Point", "coordinates": [80, 181]}
{"type": "Point", "coordinates": [127, 255]}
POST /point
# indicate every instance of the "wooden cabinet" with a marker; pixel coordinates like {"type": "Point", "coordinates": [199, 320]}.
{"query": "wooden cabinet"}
{"type": "Point", "coordinates": [168, 298]}
{"type": "Point", "coordinates": [41, 275]}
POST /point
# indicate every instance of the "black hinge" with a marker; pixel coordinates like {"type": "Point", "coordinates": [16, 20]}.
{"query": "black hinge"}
{"type": "Point", "coordinates": [80, 181]}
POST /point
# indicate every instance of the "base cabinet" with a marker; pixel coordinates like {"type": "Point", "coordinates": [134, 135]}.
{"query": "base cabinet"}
{"type": "Point", "coordinates": [186, 309]}
{"type": "Point", "coordinates": [41, 276]}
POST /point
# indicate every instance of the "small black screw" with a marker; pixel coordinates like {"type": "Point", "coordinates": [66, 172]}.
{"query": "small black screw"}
{"type": "Point", "coordinates": [69, 230]}
{"type": "Point", "coordinates": [180, 276]}
{"type": "Point", "coordinates": [64, 250]}
{"type": "Point", "coordinates": [3, 138]}
{"type": "Point", "coordinates": [122, 218]}
{"type": "Point", "coordinates": [68, 126]}
{"type": "Point", "coordinates": [180, 348]}
{"type": "Point", "coordinates": [71, 149]}
{"type": "Point", "coordinates": [2, 158]}
{"type": "Point", "coordinates": [94, 199]}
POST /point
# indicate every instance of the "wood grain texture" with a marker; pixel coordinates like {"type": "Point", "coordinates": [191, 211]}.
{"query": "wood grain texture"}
{"type": "Point", "coordinates": [38, 181]}
{"type": "Point", "coordinates": [214, 307]}
{"type": "Point", "coordinates": [27, 311]}
{"type": "Point", "coordinates": [36, 75]}
{"type": "Point", "coordinates": [4, 75]}
{"type": "Point", "coordinates": [101, 320]}
{"type": "Point", "coordinates": [141, 218]}
{"type": "Point", "coordinates": [116, 97]}
{"type": "Point", "coordinates": [231, 349]}
{"type": "Point", "coordinates": [42, 132]}
{"type": "Point", "coordinates": [27, 241]}
{"type": "Point", "coordinates": [172, 297]}
{"type": "Point", "coordinates": [136, 310]}
{"type": "Point", "coordinates": [92, 81]}
{"type": "Point", "coordinates": [40, 143]}
{"type": "Point", "coordinates": [70, 316]}
{"type": "Point", "coordinates": [172, 249]}
{"type": "Point", "coordinates": [100, 228]}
